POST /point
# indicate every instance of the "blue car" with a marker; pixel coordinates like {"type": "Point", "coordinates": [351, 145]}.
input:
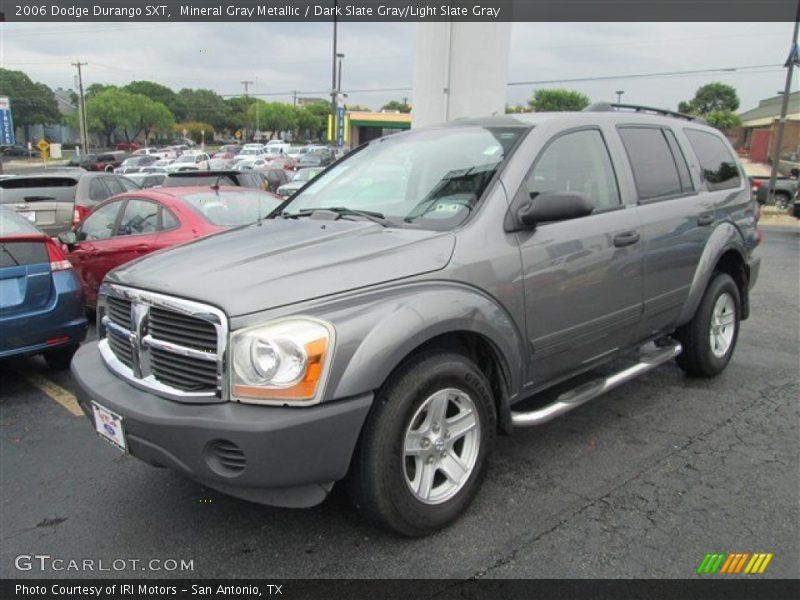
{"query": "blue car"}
{"type": "Point", "coordinates": [41, 301]}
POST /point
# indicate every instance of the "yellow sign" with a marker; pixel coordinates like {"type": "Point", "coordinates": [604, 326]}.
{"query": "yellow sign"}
{"type": "Point", "coordinates": [238, 135]}
{"type": "Point", "coordinates": [43, 154]}
{"type": "Point", "coordinates": [43, 145]}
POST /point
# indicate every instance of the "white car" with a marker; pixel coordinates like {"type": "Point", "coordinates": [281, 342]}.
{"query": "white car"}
{"type": "Point", "coordinates": [189, 161]}
{"type": "Point", "coordinates": [278, 149]}
{"type": "Point", "coordinates": [157, 152]}
{"type": "Point", "coordinates": [164, 162]}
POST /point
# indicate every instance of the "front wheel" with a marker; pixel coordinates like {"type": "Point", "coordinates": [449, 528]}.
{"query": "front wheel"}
{"type": "Point", "coordinates": [422, 456]}
{"type": "Point", "coordinates": [709, 339]}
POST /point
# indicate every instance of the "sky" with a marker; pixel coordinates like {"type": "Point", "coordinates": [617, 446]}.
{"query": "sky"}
{"type": "Point", "coordinates": [281, 57]}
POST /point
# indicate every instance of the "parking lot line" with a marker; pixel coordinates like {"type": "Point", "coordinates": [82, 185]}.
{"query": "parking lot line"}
{"type": "Point", "coordinates": [56, 392]}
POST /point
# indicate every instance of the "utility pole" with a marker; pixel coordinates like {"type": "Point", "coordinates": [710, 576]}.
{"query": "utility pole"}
{"type": "Point", "coordinates": [619, 96]}
{"type": "Point", "coordinates": [246, 85]}
{"type": "Point", "coordinates": [794, 59]}
{"type": "Point", "coordinates": [294, 98]}
{"type": "Point", "coordinates": [82, 124]}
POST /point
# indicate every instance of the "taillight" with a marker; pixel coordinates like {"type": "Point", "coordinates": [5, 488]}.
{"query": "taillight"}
{"type": "Point", "coordinates": [79, 214]}
{"type": "Point", "coordinates": [58, 262]}
{"type": "Point", "coordinates": [756, 185]}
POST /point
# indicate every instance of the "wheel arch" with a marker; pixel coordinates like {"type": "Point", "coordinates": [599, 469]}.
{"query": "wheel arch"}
{"type": "Point", "coordinates": [724, 252]}
{"type": "Point", "coordinates": [384, 335]}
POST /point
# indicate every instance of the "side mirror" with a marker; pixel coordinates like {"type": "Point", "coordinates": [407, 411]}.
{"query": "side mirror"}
{"type": "Point", "coordinates": [553, 206]}
{"type": "Point", "coordinates": [69, 238]}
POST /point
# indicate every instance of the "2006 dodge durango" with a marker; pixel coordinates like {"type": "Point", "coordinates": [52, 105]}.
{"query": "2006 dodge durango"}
{"type": "Point", "coordinates": [382, 326]}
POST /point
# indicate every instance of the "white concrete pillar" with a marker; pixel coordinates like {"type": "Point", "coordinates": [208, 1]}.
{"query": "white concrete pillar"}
{"type": "Point", "coordinates": [460, 70]}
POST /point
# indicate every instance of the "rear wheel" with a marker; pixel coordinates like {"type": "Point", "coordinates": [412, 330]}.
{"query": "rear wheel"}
{"type": "Point", "coordinates": [422, 456]}
{"type": "Point", "coordinates": [61, 358]}
{"type": "Point", "coordinates": [709, 339]}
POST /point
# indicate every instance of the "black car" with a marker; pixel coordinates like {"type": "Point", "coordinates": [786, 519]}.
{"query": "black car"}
{"type": "Point", "coordinates": [14, 150]}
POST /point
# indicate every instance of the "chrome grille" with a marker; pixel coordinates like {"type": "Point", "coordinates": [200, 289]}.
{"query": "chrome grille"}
{"type": "Point", "coordinates": [172, 346]}
{"type": "Point", "coordinates": [183, 372]}
{"type": "Point", "coordinates": [180, 329]}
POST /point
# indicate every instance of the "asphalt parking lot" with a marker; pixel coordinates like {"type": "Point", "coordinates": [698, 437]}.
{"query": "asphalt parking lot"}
{"type": "Point", "coordinates": [639, 483]}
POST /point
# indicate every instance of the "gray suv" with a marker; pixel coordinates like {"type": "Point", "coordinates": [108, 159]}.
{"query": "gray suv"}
{"type": "Point", "coordinates": [386, 322]}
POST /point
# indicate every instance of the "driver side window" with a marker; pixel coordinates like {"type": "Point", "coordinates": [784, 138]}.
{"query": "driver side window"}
{"type": "Point", "coordinates": [577, 162]}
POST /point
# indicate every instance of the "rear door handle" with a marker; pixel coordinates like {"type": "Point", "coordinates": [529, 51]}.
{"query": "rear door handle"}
{"type": "Point", "coordinates": [626, 239]}
{"type": "Point", "coordinates": [706, 219]}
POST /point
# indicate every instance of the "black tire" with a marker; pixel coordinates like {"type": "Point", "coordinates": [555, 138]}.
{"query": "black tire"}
{"type": "Point", "coordinates": [782, 200]}
{"type": "Point", "coordinates": [377, 480]}
{"type": "Point", "coordinates": [60, 359]}
{"type": "Point", "coordinates": [698, 358]}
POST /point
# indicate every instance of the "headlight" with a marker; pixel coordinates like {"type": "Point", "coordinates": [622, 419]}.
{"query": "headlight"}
{"type": "Point", "coordinates": [282, 361]}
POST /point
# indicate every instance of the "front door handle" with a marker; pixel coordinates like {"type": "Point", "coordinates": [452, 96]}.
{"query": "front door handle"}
{"type": "Point", "coordinates": [629, 238]}
{"type": "Point", "coordinates": [705, 219]}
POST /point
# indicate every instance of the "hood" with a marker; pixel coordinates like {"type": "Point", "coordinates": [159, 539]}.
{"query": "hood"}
{"type": "Point", "coordinates": [284, 261]}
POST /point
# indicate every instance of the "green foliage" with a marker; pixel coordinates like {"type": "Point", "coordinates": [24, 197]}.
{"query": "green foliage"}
{"type": "Point", "coordinates": [155, 91]}
{"type": "Point", "coordinates": [273, 117]}
{"type": "Point", "coordinates": [357, 107]}
{"type": "Point", "coordinates": [151, 116]}
{"type": "Point", "coordinates": [237, 113]}
{"type": "Point", "coordinates": [722, 119]}
{"type": "Point", "coordinates": [320, 111]}
{"type": "Point", "coordinates": [516, 109]}
{"type": "Point", "coordinates": [194, 130]}
{"type": "Point", "coordinates": [31, 103]}
{"type": "Point", "coordinates": [712, 97]}
{"type": "Point", "coordinates": [201, 105]}
{"type": "Point", "coordinates": [110, 110]}
{"type": "Point", "coordinates": [557, 100]}
{"type": "Point", "coordinates": [403, 107]}
{"type": "Point", "coordinates": [96, 88]}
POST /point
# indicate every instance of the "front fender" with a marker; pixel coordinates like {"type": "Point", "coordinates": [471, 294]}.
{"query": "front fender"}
{"type": "Point", "coordinates": [376, 331]}
{"type": "Point", "coordinates": [724, 237]}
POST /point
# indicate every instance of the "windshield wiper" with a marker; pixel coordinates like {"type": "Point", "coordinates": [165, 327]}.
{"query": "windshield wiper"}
{"type": "Point", "coordinates": [341, 212]}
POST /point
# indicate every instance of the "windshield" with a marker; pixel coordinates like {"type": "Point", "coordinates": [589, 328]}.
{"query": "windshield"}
{"type": "Point", "coordinates": [305, 174]}
{"type": "Point", "coordinates": [428, 179]}
{"type": "Point", "coordinates": [232, 208]}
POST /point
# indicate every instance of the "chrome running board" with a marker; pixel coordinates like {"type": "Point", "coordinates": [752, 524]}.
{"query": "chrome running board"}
{"type": "Point", "coordinates": [580, 395]}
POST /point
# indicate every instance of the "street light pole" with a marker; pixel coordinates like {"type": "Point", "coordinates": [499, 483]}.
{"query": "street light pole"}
{"type": "Point", "coordinates": [246, 85]}
{"type": "Point", "coordinates": [790, 64]}
{"type": "Point", "coordinates": [340, 56]}
{"type": "Point", "coordinates": [333, 75]}
{"type": "Point", "coordinates": [619, 96]}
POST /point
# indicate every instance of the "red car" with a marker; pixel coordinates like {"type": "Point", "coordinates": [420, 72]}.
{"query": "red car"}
{"type": "Point", "coordinates": [130, 225]}
{"type": "Point", "coordinates": [126, 146]}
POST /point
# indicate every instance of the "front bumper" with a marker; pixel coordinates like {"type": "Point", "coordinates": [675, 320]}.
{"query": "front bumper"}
{"type": "Point", "coordinates": [291, 455]}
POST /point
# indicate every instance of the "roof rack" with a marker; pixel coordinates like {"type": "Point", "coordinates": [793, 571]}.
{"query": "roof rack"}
{"type": "Point", "coordinates": [612, 107]}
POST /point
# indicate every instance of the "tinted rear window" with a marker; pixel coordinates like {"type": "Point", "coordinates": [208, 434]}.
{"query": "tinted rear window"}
{"type": "Point", "coordinates": [15, 254]}
{"type": "Point", "coordinates": [654, 167]}
{"type": "Point", "coordinates": [200, 180]}
{"type": "Point", "coordinates": [716, 162]}
{"type": "Point", "coordinates": [60, 189]}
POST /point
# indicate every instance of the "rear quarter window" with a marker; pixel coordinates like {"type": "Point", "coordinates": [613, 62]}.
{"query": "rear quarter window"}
{"type": "Point", "coordinates": [717, 164]}
{"type": "Point", "coordinates": [16, 254]}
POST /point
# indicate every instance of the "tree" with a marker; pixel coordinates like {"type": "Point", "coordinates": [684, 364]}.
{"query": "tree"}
{"type": "Point", "coordinates": [722, 119]}
{"type": "Point", "coordinates": [236, 108]}
{"type": "Point", "coordinates": [151, 116]}
{"type": "Point", "coordinates": [110, 110]}
{"type": "Point", "coordinates": [403, 107]}
{"type": "Point", "coordinates": [306, 122]}
{"type": "Point", "coordinates": [357, 107]}
{"type": "Point", "coordinates": [155, 91]}
{"type": "Point", "coordinates": [272, 116]}
{"type": "Point", "coordinates": [201, 105]}
{"type": "Point", "coordinates": [195, 130]}
{"type": "Point", "coordinates": [31, 103]}
{"type": "Point", "coordinates": [557, 100]}
{"type": "Point", "coordinates": [516, 109]}
{"type": "Point", "coordinates": [320, 110]}
{"type": "Point", "coordinates": [711, 97]}
{"type": "Point", "coordinates": [95, 88]}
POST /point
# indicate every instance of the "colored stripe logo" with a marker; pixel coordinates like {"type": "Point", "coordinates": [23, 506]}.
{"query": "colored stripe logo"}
{"type": "Point", "coordinates": [734, 563]}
